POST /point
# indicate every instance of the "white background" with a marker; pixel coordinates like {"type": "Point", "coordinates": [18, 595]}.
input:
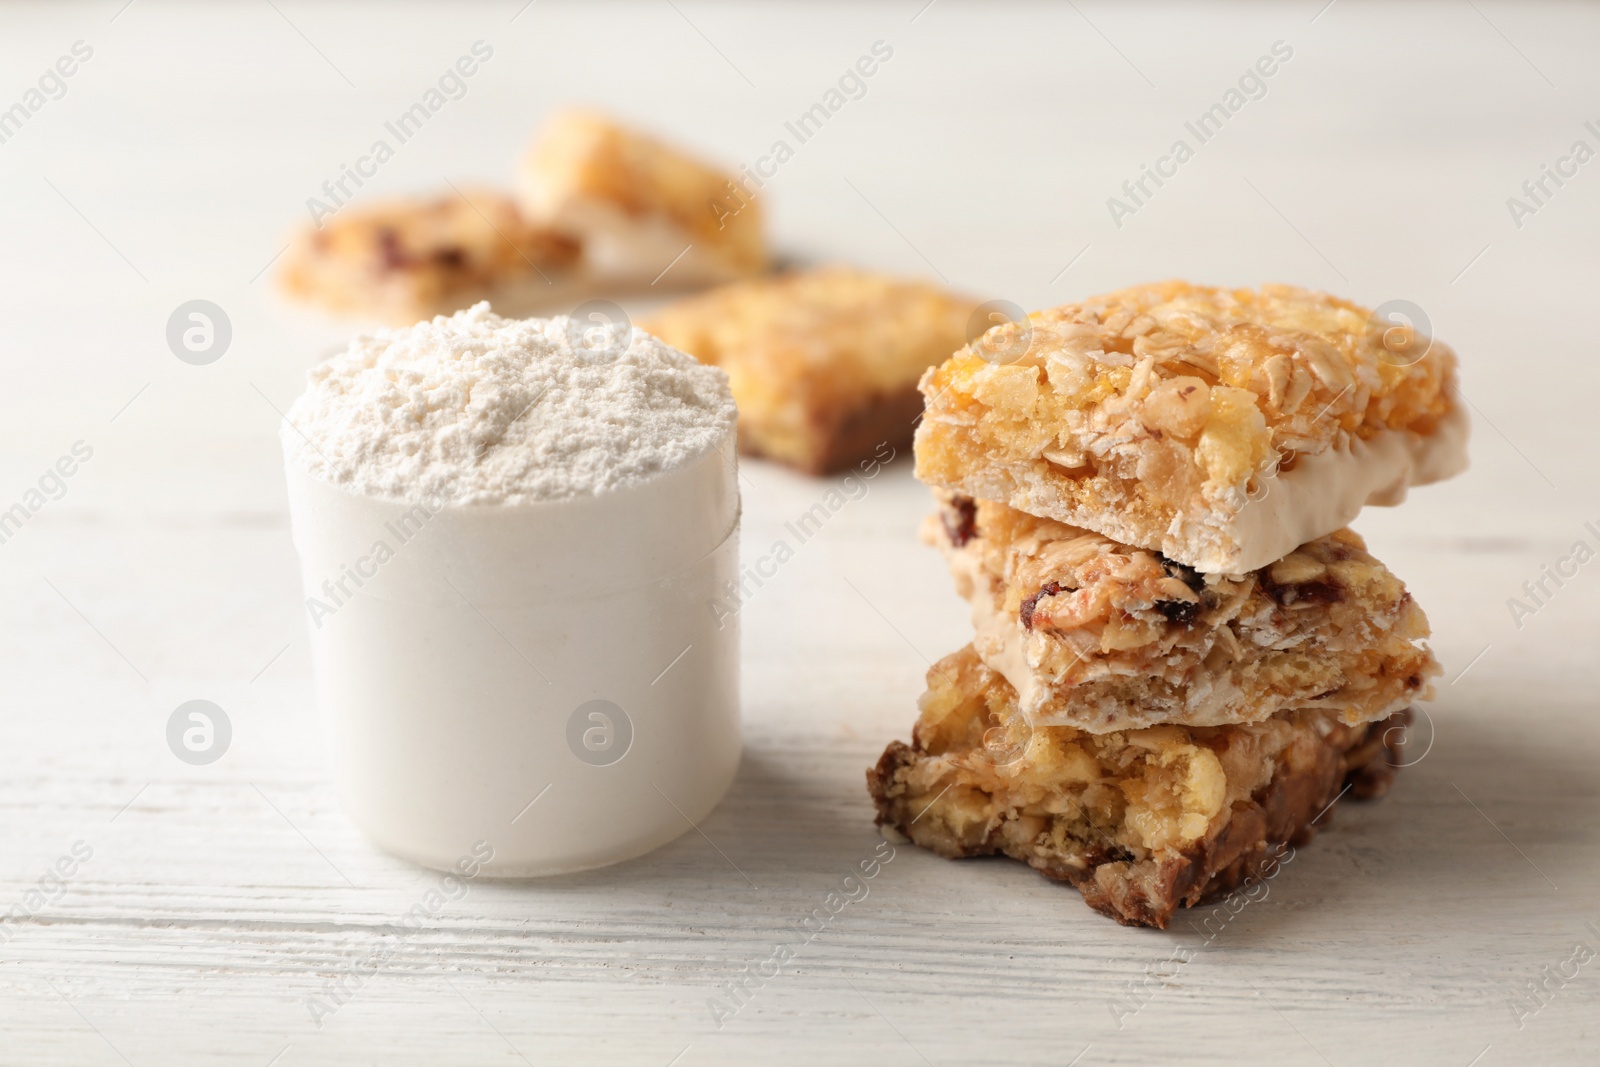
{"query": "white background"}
{"type": "Point", "coordinates": [219, 898]}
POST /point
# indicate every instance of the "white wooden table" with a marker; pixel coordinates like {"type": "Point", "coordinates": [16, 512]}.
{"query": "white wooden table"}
{"type": "Point", "coordinates": [215, 900]}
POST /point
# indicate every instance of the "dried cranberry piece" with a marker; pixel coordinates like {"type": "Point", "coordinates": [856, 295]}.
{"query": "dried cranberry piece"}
{"type": "Point", "coordinates": [1180, 612]}
{"type": "Point", "coordinates": [963, 526]}
{"type": "Point", "coordinates": [395, 257]}
{"type": "Point", "coordinates": [1317, 592]}
{"type": "Point", "coordinates": [1028, 605]}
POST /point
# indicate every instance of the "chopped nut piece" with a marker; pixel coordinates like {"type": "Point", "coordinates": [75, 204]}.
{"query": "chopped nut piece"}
{"type": "Point", "coordinates": [1297, 567]}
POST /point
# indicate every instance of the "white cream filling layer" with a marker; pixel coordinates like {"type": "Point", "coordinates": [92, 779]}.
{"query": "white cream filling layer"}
{"type": "Point", "coordinates": [627, 250]}
{"type": "Point", "coordinates": [999, 644]}
{"type": "Point", "coordinates": [1323, 492]}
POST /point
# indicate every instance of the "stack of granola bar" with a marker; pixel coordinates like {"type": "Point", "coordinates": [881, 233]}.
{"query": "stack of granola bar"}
{"type": "Point", "coordinates": [1182, 658]}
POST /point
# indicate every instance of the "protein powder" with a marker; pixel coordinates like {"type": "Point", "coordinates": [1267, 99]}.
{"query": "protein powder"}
{"type": "Point", "coordinates": [511, 534]}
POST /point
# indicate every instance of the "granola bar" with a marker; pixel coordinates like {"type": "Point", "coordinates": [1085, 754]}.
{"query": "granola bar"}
{"type": "Point", "coordinates": [1141, 822]}
{"type": "Point", "coordinates": [645, 212]}
{"type": "Point", "coordinates": [824, 363]}
{"type": "Point", "coordinates": [403, 260]}
{"type": "Point", "coordinates": [1097, 635]}
{"type": "Point", "coordinates": [1223, 427]}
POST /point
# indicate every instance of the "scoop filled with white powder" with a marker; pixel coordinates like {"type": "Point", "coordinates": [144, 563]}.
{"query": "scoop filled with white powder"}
{"type": "Point", "coordinates": [477, 409]}
{"type": "Point", "coordinates": [512, 535]}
